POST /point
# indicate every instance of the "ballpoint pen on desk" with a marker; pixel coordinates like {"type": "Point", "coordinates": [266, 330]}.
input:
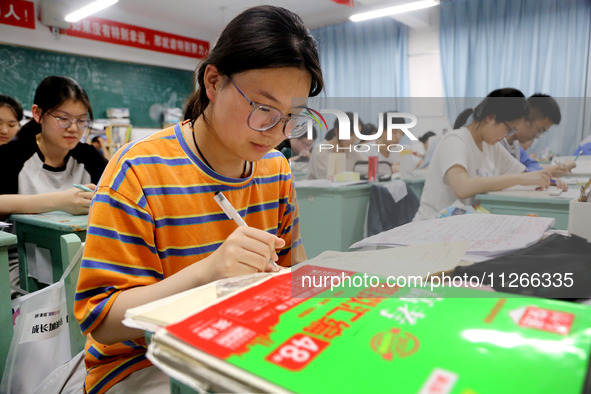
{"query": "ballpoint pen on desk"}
{"type": "Point", "coordinates": [231, 212]}
{"type": "Point", "coordinates": [82, 187]}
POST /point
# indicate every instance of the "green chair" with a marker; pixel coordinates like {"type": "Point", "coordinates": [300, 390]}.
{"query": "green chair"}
{"type": "Point", "coordinates": [70, 244]}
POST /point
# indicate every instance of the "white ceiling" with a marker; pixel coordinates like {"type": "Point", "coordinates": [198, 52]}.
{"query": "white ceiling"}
{"type": "Point", "coordinates": [205, 19]}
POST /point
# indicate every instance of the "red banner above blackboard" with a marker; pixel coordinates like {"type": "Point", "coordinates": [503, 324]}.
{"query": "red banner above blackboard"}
{"type": "Point", "coordinates": [138, 37]}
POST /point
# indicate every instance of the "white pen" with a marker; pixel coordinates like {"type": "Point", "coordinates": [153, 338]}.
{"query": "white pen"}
{"type": "Point", "coordinates": [231, 212]}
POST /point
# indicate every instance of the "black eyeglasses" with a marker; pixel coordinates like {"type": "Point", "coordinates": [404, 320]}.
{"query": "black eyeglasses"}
{"type": "Point", "coordinates": [510, 130]}
{"type": "Point", "coordinates": [64, 122]}
{"type": "Point", "coordinates": [264, 117]}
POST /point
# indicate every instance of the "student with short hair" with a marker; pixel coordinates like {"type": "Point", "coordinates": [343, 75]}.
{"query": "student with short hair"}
{"type": "Point", "coordinates": [40, 166]}
{"type": "Point", "coordinates": [11, 113]}
{"type": "Point", "coordinates": [155, 229]}
{"type": "Point", "coordinates": [544, 112]}
{"type": "Point", "coordinates": [469, 160]}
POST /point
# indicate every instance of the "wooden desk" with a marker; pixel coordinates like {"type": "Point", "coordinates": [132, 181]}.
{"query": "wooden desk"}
{"type": "Point", "coordinates": [6, 240]}
{"type": "Point", "coordinates": [332, 218]}
{"type": "Point", "coordinates": [44, 230]}
{"type": "Point", "coordinates": [513, 205]}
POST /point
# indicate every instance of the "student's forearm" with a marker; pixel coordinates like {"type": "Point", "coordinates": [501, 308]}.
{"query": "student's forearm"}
{"type": "Point", "coordinates": [111, 330]}
{"type": "Point", "coordinates": [469, 187]}
{"type": "Point", "coordinates": [21, 203]}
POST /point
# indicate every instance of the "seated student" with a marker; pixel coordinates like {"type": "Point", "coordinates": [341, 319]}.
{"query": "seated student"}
{"type": "Point", "coordinates": [424, 139]}
{"type": "Point", "coordinates": [301, 149]}
{"type": "Point", "coordinates": [469, 159]}
{"type": "Point", "coordinates": [543, 113]}
{"type": "Point", "coordinates": [40, 166]}
{"type": "Point", "coordinates": [11, 113]}
{"type": "Point", "coordinates": [99, 144]}
{"type": "Point", "coordinates": [46, 159]}
{"type": "Point", "coordinates": [155, 228]}
{"type": "Point", "coordinates": [318, 166]}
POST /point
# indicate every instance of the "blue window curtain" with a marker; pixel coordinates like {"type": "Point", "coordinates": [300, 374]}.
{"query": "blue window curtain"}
{"type": "Point", "coordinates": [364, 59]}
{"type": "Point", "coordinates": [532, 45]}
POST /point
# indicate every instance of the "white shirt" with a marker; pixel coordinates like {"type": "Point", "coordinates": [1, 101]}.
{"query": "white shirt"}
{"type": "Point", "coordinates": [458, 148]}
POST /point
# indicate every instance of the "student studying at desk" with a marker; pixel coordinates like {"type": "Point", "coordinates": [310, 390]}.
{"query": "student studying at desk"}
{"type": "Point", "coordinates": [41, 165]}
{"type": "Point", "coordinates": [47, 158]}
{"type": "Point", "coordinates": [544, 112]}
{"type": "Point", "coordinates": [155, 228]}
{"type": "Point", "coordinates": [11, 113]}
{"type": "Point", "coordinates": [469, 160]}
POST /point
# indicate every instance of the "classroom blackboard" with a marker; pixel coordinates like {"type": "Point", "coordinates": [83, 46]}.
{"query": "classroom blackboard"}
{"type": "Point", "coordinates": [145, 90]}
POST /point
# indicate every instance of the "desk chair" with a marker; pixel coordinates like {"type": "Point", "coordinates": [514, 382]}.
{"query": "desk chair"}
{"type": "Point", "coordinates": [6, 240]}
{"type": "Point", "coordinates": [44, 230]}
{"type": "Point", "coordinates": [69, 246]}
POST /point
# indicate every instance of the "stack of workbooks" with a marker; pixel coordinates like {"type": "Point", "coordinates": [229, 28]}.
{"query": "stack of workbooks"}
{"type": "Point", "coordinates": [292, 333]}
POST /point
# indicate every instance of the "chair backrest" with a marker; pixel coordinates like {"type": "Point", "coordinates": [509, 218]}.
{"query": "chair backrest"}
{"type": "Point", "coordinates": [70, 244]}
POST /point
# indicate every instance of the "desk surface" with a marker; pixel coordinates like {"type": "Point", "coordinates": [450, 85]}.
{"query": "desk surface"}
{"type": "Point", "coordinates": [554, 207]}
{"type": "Point", "coordinates": [56, 220]}
{"type": "Point", "coordinates": [7, 239]}
{"type": "Point", "coordinates": [558, 201]}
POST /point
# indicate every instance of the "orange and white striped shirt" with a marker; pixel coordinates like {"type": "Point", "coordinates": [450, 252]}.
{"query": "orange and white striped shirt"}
{"type": "Point", "coordinates": [154, 214]}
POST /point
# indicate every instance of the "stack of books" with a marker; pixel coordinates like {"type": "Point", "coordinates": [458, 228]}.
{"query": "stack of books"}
{"type": "Point", "coordinates": [282, 333]}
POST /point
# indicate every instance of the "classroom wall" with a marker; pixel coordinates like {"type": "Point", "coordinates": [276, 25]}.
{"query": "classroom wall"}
{"type": "Point", "coordinates": [42, 38]}
{"type": "Point", "coordinates": [425, 79]}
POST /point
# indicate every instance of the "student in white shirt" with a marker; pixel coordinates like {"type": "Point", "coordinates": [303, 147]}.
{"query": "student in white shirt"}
{"type": "Point", "coordinates": [544, 112]}
{"type": "Point", "coordinates": [318, 165]}
{"type": "Point", "coordinates": [469, 160]}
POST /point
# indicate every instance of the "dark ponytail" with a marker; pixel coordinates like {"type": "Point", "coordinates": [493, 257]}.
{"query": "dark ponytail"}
{"type": "Point", "coordinates": [463, 117]}
{"type": "Point", "coordinates": [504, 104]}
{"type": "Point", "coordinates": [260, 37]}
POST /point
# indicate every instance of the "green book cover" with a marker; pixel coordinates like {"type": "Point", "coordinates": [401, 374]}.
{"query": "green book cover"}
{"type": "Point", "coordinates": [392, 339]}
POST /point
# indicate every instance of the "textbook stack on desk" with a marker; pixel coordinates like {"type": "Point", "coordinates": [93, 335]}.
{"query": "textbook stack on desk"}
{"type": "Point", "coordinates": [271, 338]}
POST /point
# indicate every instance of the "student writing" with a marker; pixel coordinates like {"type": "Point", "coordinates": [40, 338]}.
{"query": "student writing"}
{"type": "Point", "coordinates": [155, 228]}
{"type": "Point", "coordinates": [11, 113]}
{"type": "Point", "coordinates": [46, 159]}
{"type": "Point", "coordinates": [469, 160]}
{"type": "Point", "coordinates": [544, 112]}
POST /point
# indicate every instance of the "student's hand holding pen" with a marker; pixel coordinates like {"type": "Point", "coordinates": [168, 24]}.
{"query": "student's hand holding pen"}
{"type": "Point", "coordinates": [562, 168]}
{"type": "Point", "coordinates": [541, 179]}
{"type": "Point", "coordinates": [75, 200]}
{"type": "Point", "coordinates": [247, 250]}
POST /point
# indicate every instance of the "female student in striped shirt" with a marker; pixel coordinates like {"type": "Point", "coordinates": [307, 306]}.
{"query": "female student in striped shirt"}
{"type": "Point", "coordinates": [469, 160]}
{"type": "Point", "coordinates": [154, 227]}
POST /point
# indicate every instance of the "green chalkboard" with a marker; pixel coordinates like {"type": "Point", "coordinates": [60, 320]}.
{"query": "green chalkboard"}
{"type": "Point", "coordinates": [145, 90]}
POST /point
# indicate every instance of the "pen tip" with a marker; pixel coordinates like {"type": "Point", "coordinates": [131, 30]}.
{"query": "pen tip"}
{"type": "Point", "coordinates": [216, 193]}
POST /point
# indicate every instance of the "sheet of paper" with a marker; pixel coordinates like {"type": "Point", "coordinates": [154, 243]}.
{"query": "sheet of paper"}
{"type": "Point", "coordinates": [39, 263]}
{"type": "Point", "coordinates": [488, 234]}
{"type": "Point", "coordinates": [408, 261]}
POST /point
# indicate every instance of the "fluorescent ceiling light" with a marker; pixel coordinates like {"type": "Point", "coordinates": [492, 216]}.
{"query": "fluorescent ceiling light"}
{"type": "Point", "coordinates": [399, 9]}
{"type": "Point", "coordinates": [89, 9]}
